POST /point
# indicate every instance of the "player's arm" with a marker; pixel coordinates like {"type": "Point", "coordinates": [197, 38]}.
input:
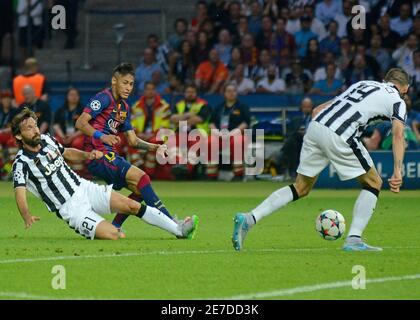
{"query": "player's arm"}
{"type": "Point", "coordinates": [135, 142]}
{"type": "Point", "coordinates": [72, 154]}
{"type": "Point", "coordinates": [22, 204]}
{"type": "Point", "coordinates": [398, 149]}
{"type": "Point", "coordinates": [83, 125]}
{"type": "Point", "coordinates": [321, 107]}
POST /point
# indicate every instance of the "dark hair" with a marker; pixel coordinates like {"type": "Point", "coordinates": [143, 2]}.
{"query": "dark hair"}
{"type": "Point", "coordinates": [66, 103]}
{"type": "Point", "coordinates": [25, 114]}
{"type": "Point", "coordinates": [149, 83]}
{"type": "Point", "coordinates": [124, 69]}
{"type": "Point", "coordinates": [185, 22]}
{"type": "Point", "coordinates": [191, 86]}
{"type": "Point", "coordinates": [201, 2]}
{"type": "Point", "coordinates": [152, 36]}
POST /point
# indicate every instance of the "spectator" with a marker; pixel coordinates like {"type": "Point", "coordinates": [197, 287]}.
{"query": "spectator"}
{"type": "Point", "coordinates": [282, 45]}
{"type": "Point", "coordinates": [191, 38]}
{"type": "Point", "coordinates": [297, 81]}
{"type": "Point", "coordinates": [234, 9]}
{"type": "Point", "coordinates": [196, 113]}
{"type": "Point", "coordinates": [36, 9]}
{"type": "Point", "coordinates": [260, 71]}
{"type": "Point", "coordinates": [224, 47]}
{"type": "Point", "coordinates": [33, 77]}
{"type": "Point", "coordinates": [271, 83]}
{"type": "Point", "coordinates": [218, 13]}
{"type": "Point", "coordinates": [235, 59]}
{"type": "Point", "coordinates": [416, 25]}
{"type": "Point", "coordinates": [183, 66]}
{"type": "Point", "coordinates": [295, 24]}
{"type": "Point", "coordinates": [175, 86]}
{"type": "Point", "coordinates": [65, 119]}
{"type": "Point", "coordinates": [321, 74]}
{"type": "Point", "coordinates": [41, 108]}
{"type": "Point", "coordinates": [249, 51]}
{"type": "Point", "coordinates": [211, 75]}
{"type": "Point", "coordinates": [72, 10]}
{"type": "Point", "coordinates": [208, 27]}
{"type": "Point", "coordinates": [317, 26]}
{"type": "Point", "coordinates": [272, 9]}
{"type": "Point", "coordinates": [149, 114]}
{"type": "Point", "coordinates": [390, 39]}
{"type": "Point", "coordinates": [243, 29]}
{"type": "Point", "coordinates": [329, 86]}
{"type": "Point", "coordinates": [403, 23]}
{"type": "Point", "coordinates": [303, 36]}
{"type": "Point", "coordinates": [331, 43]}
{"type": "Point", "coordinates": [6, 29]}
{"type": "Point", "coordinates": [181, 27]}
{"type": "Point", "coordinates": [289, 156]}
{"type": "Point", "coordinates": [415, 73]}
{"type": "Point", "coordinates": [161, 85]}
{"type": "Point", "coordinates": [161, 52]}
{"type": "Point", "coordinates": [313, 57]}
{"type": "Point", "coordinates": [234, 116]}
{"type": "Point", "coordinates": [403, 56]}
{"type": "Point", "coordinates": [203, 48]}
{"type": "Point", "coordinates": [344, 18]}
{"type": "Point", "coordinates": [255, 19]}
{"type": "Point", "coordinates": [370, 61]}
{"type": "Point", "coordinates": [146, 68]}
{"type": "Point", "coordinates": [244, 85]}
{"type": "Point", "coordinates": [359, 37]}
{"type": "Point", "coordinates": [380, 54]}
{"type": "Point", "coordinates": [327, 9]}
{"type": "Point", "coordinates": [358, 71]}
{"type": "Point", "coordinates": [346, 54]}
{"type": "Point", "coordinates": [7, 141]}
{"type": "Point", "coordinates": [201, 15]}
{"type": "Point", "coordinates": [263, 39]}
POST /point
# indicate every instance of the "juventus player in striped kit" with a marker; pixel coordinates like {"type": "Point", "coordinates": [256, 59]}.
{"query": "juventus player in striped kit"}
{"type": "Point", "coordinates": [40, 168]}
{"type": "Point", "coordinates": [333, 136]}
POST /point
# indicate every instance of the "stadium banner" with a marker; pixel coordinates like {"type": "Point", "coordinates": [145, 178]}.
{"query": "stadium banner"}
{"type": "Point", "coordinates": [384, 163]}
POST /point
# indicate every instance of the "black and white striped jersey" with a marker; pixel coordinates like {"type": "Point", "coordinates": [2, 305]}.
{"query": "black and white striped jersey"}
{"type": "Point", "coordinates": [362, 103]}
{"type": "Point", "coordinates": [46, 174]}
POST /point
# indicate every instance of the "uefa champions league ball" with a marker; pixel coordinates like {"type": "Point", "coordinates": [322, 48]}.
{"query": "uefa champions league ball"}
{"type": "Point", "coordinates": [330, 225]}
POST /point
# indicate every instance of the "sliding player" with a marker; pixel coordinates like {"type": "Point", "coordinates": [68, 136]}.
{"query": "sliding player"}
{"type": "Point", "coordinates": [40, 167]}
{"type": "Point", "coordinates": [106, 115]}
{"type": "Point", "coordinates": [334, 137]}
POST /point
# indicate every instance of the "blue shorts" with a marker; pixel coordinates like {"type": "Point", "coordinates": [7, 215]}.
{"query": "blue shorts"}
{"type": "Point", "coordinates": [112, 168]}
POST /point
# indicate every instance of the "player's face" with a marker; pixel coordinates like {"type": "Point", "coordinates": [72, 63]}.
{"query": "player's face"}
{"type": "Point", "coordinates": [29, 132]}
{"type": "Point", "coordinates": [123, 85]}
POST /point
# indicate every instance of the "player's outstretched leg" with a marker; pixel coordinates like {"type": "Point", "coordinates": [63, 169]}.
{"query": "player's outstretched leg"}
{"type": "Point", "coordinates": [185, 229]}
{"type": "Point", "coordinates": [120, 218]}
{"type": "Point", "coordinates": [362, 212]}
{"type": "Point", "coordinates": [278, 199]}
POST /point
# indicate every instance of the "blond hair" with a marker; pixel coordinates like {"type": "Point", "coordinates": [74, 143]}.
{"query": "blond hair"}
{"type": "Point", "coordinates": [397, 76]}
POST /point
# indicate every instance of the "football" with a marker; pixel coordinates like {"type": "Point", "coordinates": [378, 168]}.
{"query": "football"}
{"type": "Point", "coordinates": [330, 225]}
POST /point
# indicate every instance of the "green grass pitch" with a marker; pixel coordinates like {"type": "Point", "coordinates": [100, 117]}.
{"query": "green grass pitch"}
{"type": "Point", "coordinates": [284, 257]}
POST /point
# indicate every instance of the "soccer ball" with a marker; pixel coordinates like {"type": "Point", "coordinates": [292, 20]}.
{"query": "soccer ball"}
{"type": "Point", "coordinates": [330, 225]}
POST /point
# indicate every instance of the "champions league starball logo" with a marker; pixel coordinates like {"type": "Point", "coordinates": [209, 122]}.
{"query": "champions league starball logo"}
{"type": "Point", "coordinates": [95, 105]}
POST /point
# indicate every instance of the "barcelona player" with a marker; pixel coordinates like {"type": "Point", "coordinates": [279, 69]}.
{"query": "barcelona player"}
{"type": "Point", "coordinates": [106, 115]}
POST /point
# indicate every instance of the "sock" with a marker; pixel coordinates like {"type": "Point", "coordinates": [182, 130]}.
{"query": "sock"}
{"type": "Point", "coordinates": [157, 218]}
{"type": "Point", "coordinates": [150, 196]}
{"type": "Point", "coordinates": [274, 202]}
{"type": "Point", "coordinates": [363, 210]}
{"type": "Point", "coordinates": [121, 217]}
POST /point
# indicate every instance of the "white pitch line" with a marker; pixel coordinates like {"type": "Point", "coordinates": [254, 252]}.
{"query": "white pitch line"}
{"type": "Point", "coordinates": [163, 253]}
{"type": "Point", "coordinates": [313, 288]}
{"type": "Point", "coordinates": [24, 295]}
{"type": "Point", "coordinates": [170, 253]}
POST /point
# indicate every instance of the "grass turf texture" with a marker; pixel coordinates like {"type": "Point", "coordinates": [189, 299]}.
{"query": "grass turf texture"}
{"type": "Point", "coordinates": [282, 252]}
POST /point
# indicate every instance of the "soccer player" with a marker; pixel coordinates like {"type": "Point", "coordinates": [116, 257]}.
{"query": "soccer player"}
{"type": "Point", "coordinates": [40, 167]}
{"type": "Point", "coordinates": [333, 136]}
{"type": "Point", "coordinates": [106, 115]}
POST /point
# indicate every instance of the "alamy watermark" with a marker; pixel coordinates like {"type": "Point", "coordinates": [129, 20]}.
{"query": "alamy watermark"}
{"type": "Point", "coordinates": [58, 282]}
{"type": "Point", "coordinates": [359, 280]}
{"type": "Point", "coordinates": [58, 21]}
{"type": "Point", "coordinates": [359, 20]}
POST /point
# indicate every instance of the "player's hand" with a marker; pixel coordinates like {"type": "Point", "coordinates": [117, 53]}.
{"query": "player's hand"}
{"type": "Point", "coordinates": [95, 154]}
{"type": "Point", "coordinates": [395, 182]}
{"type": "Point", "coordinates": [30, 220]}
{"type": "Point", "coordinates": [110, 139]}
{"type": "Point", "coordinates": [162, 150]}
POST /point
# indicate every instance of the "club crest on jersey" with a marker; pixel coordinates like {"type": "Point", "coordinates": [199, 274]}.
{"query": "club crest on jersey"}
{"type": "Point", "coordinates": [95, 105]}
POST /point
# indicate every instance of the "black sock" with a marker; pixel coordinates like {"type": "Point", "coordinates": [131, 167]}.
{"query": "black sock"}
{"type": "Point", "coordinates": [142, 211]}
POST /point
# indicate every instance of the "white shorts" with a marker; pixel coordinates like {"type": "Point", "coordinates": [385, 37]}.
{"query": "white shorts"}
{"type": "Point", "coordinates": [322, 146]}
{"type": "Point", "coordinates": [82, 210]}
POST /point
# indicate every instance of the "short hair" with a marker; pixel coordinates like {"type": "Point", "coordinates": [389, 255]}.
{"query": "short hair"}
{"type": "Point", "coordinates": [31, 63]}
{"type": "Point", "coordinates": [149, 83]}
{"type": "Point", "coordinates": [191, 86]}
{"type": "Point", "coordinates": [184, 21]}
{"type": "Point", "coordinates": [152, 36]}
{"type": "Point", "coordinates": [124, 69]}
{"type": "Point", "coordinates": [398, 76]}
{"type": "Point", "coordinates": [25, 114]}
